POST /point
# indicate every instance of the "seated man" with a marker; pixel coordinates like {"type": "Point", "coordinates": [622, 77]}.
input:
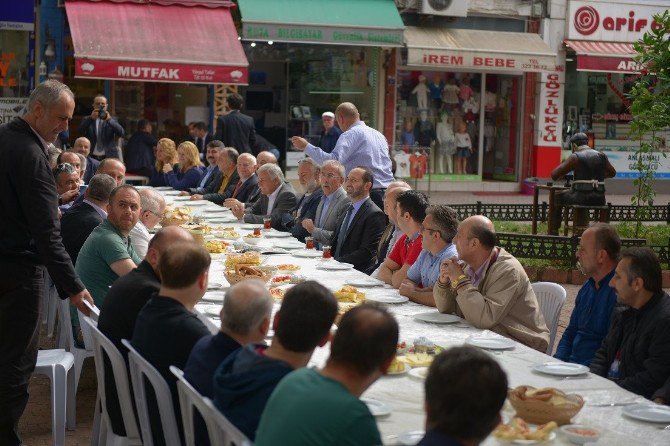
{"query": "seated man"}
{"type": "Point", "coordinates": [437, 231]}
{"type": "Point", "coordinates": [82, 218]}
{"type": "Point", "coordinates": [124, 301]}
{"type": "Point", "coordinates": [67, 183]}
{"type": "Point", "coordinates": [277, 197]}
{"type": "Point", "coordinates": [226, 161]}
{"type": "Point", "coordinates": [166, 328]}
{"type": "Point", "coordinates": [82, 146]}
{"type": "Point", "coordinates": [490, 289]}
{"type": "Point", "coordinates": [636, 351]}
{"type": "Point", "coordinates": [245, 380]}
{"type": "Point", "coordinates": [331, 207]}
{"type": "Point", "coordinates": [308, 176]}
{"type": "Point", "coordinates": [598, 253]}
{"type": "Point", "coordinates": [70, 158]}
{"type": "Point", "coordinates": [465, 390]}
{"type": "Point", "coordinates": [410, 213]}
{"type": "Point", "coordinates": [360, 228]}
{"type": "Point", "coordinates": [245, 318]}
{"type": "Point", "coordinates": [246, 190]}
{"type": "Point", "coordinates": [391, 233]}
{"type": "Point", "coordinates": [107, 254]}
{"type": "Point", "coordinates": [311, 406]}
{"type": "Point", "coordinates": [112, 167]}
{"type": "Point", "coordinates": [266, 157]}
{"type": "Point", "coordinates": [82, 166]}
{"type": "Point", "coordinates": [151, 212]}
{"type": "Point", "coordinates": [211, 180]}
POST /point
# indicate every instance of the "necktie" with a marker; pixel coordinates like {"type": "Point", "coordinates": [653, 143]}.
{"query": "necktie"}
{"type": "Point", "coordinates": [343, 230]}
{"type": "Point", "coordinates": [237, 188]}
{"type": "Point", "coordinates": [224, 184]}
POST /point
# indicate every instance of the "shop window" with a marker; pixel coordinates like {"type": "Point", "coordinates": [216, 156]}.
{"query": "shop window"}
{"type": "Point", "coordinates": [14, 63]}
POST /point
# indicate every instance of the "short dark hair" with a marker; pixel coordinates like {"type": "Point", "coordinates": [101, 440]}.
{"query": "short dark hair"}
{"type": "Point", "coordinates": [231, 153]}
{"type": "Point", "coordinates": [446, 219]}
{"type": "Point", "coordinates": [368, 176]}
{"type": "Point", "coordinates": [465, 390]}
{"type": "Point", "coordinates": [63, 168]}
{"type": "Point", "coordinates": [487, 238]}
{"type": "Point", "coordinates": [117, 189]}
{"type": "Point", "coordinates": [235, 101]}
{"type": "Point", "coordinates": [142, 124]}
{"type": "Point", "coordinates": [182, 263]}
{"type": "Point", "coordinates": [59, 160]}
{"type": "Point", "coordinates": [366, 337]}
{"type": "Point", "coordinates": [580, 139]}
{"type": "Point", "coordinates": [645, 265]}
{"type": "Point", "coordinates": [201, 126]}
{"type": "Point", "coordinates": [414, 202]}
{"type": "Point", "coordinates": [215, 143]}
{"type": "Point", "coordinates": [607, 238]}
{"type": "Point", "coordinates": [306, 315]}
{"type": "Point", "coordinates": [100, 187]}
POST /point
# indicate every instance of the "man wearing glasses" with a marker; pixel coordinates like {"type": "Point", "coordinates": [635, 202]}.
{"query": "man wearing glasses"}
{"type": "Point", "coordinates": [67, 184]}
{"type": "Point", "coordinates": [437, 231]}
{"type": "Point", "coordinates": [152, 208]}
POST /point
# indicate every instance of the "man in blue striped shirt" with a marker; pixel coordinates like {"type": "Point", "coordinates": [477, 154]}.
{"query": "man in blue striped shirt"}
{"type": "Point", "coordinates": [359, 145]}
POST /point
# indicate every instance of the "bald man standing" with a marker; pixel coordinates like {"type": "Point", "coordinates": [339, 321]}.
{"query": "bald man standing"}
{"type": "Point", "coordinates": [492, 290]}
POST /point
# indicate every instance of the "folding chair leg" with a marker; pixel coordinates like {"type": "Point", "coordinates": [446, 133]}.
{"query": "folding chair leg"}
{"type": "Point", "coordinates": [58, 405]}
{"type": "Point", "coordinates": [98, 431]}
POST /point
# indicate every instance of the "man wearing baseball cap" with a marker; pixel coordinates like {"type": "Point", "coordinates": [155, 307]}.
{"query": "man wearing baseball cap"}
{"type": "Point", "coordinates": [330, 132]}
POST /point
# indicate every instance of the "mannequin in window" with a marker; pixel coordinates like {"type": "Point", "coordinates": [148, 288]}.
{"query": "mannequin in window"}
{"type": "Point", "coordinates": [446, 144]}
{"type": "Point", "coordinates": [465, 92]}
{"type": "Point", "coordinates": [463, 149]}
{"type": "Point", "coordinates": [421, 91]}
{"type": "Point", "coordinates": [407, 138]}
{"type": "Point", "coordinates": [436, 87]}
{"type": "Point", "coordinates": [450, 95]}
{"type": "Point", "coordinates": [490, 104]}
{"type": "Point", "coordinates": [424, 132]}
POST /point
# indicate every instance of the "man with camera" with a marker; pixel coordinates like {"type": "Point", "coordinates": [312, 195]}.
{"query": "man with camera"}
{"type": "Point", "coordinates": [102, 130]}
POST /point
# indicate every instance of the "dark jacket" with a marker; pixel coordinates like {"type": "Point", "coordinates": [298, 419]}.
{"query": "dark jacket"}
{"type": "Point", "coordinates": [110, 131]}
{"type": "Point", "coordinates": [360, 245]}
{"type": "Point", "coordinates": [243, 384]}
{"type": "Point", "coordinates": [30, 228]}
{"type": "Point", "coordinates": [213, 194]}
{"type": "Point", "coordinates": [185, 180]}
{"type": "Point", "coordinates": [76, 225]}
{"type": "Point", "coordinates": [643, 338]}
{"type": "Point", "coordinates": [91, 168]}
{"type": "Point", "coordinates": [140, 152]}
{"type": "Point", "coordinates": [284, 202]}
{"type": "Point", "coordinates": [328, 139]}
{"type": "Point", "coordinates": [237, 130]}
{"type": "Point", "coordinates": [249, 191]}
{"type": "Point", "coordinates": [304, 209]}
{"type": "Point", "coordinates": [212, 183]}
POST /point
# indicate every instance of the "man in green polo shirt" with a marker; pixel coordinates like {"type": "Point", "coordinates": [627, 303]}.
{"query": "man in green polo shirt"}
{"type": "Point", "coordinates": [107, 253]}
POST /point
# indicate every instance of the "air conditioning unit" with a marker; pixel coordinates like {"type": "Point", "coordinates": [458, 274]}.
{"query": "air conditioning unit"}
{"type": "Point", "coordinates": [452, 8]}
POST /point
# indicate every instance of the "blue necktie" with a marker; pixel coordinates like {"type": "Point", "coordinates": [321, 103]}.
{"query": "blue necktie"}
{"type": "Point", "coordinates": [343, 230]}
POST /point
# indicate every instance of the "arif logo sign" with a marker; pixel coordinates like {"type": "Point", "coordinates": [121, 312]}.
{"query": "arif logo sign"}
{"type": "Point", "coordinates": [587, 21]}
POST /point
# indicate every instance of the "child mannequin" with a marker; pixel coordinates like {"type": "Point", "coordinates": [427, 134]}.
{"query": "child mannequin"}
{"type": "Point", "coordinates": [463, 149]}
{"type": "Point", "coordinates": [450, 94]}
{"type": "Point", "coordinates": [446, 140]}
{"type": "Point", "coordinates": [407, 136]}
{"type": "Point", "coordinates": [436, 88]}
{"type": "Point", "coordinates": [421, 91]}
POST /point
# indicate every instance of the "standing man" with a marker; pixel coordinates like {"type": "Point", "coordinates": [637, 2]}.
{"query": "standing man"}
{"type": "Point", "coordinates": [140, 149]}
{"type": "Point", "coordinates": [151, 213]}
{"type": "Point", "coordinates": [201, 138]}
{"type": "Point", "coordinates": [30, 244]}
{"type": "Point", "coordinates": [330, 133]}
{"type": "Point", "coordinates": [236, 129]}
{"type": "Point", "coordinates": [102, 130]}
{"type": "Point", "coordinates": [83, 147]}
{"type": "Point", "coordinates": [359, 145]}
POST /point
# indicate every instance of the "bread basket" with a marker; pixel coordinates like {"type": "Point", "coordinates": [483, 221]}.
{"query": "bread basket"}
{"type": "Point", "coordinates": [241, 273]}
{"type": "Point", "coordinates": [539, 411]}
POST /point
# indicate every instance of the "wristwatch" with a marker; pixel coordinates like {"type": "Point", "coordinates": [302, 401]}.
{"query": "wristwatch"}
{"type": "Point", "coordinates": [454, 283]}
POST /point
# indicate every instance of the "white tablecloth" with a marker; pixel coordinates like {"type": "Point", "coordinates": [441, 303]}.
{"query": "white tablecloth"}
{"type": "Point", "coordinates": [405, 394]}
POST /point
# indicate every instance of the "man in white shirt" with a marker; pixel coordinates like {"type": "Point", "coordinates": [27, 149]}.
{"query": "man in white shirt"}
{"type": "Point", "coordinates": [152, 206]}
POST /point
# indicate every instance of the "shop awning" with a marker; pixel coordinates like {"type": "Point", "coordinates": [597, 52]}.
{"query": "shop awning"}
{"type": "Point", "coordinates": [160, 41]}
{"type": "Point", "coordinates": [609, 57]}
{"type": "Point", "coordinates": [478, 50]}
{"type": "Point", "coordinates": [340, 22]}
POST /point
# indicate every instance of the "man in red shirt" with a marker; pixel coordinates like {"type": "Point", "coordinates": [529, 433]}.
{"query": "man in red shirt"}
{"type": "Point", "coordinates": [410, 212]}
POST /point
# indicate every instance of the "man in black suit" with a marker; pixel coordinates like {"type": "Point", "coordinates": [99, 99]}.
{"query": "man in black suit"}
{"type": "Point", "coordinates": [359, 230]}
{"type": "Point", "coordinates": [226, 161]}
{"type": "Point", "coordinates": [124, 301]}
{"type": "Point", "coordinates": [201, 137]}
{"type": "Point", "coordinates": [236, 129]}
{"type": "Point", "coordinates": [277, 197]}
{"type": "Point", "coordinates": [82, 218]}
{"type": "Point", "coordinates": [31, 243]}
{"type": "Point", "coordinates": [82, 146]}
{"type": "Point", "coordinates": [140, 149]}
{"type": "Point", "coordinates": [102, 130]}
{"type": "Point", "coordinates": [308, 176]}
{"type": "Point", "coordinates": [246, 190]}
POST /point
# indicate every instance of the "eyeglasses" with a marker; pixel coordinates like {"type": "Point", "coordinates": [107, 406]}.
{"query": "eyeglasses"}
{"type": "Point", "coordinates": [423, 228]}
{"type": "Point", "coordinates": [64, 168]}
{"type": "Point", "coordinates": [155, 213]}
{"type": "Point", "coordinates": [330, 176]}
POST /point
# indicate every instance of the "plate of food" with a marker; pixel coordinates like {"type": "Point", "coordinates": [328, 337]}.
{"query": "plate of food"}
{"type": "Point", "coordinates": [216, 246]}
{"type": "Point", "coordinates": [388, 299]}
{"type": "Point", "coordinates": [307, 253]}
{"type": "Point", "coordinates": [349, 293]}
{"type": "Point", "coordinates": [278, 234]}
{"type": "Point", "coordinates": [490, 342]}
{"type": "Point", "coordinates": [580, 433]}
{"type": "Point", "coordinates": [561, 368]}
{"type": "Point", "coordinates": [436, 317]}
{"type": "Point", "coordinates": [334, 266]}
{"type": "Point", "coordinates": [417, 359]}
{"type": "Point", "coordinates": [287, 267]}
{"type": "Point", "coordinates": [398, 367]}
{"type": "Point", "coordinates": [410, 438]}
{"type": "Point", "coordinates": [227, 234]}
{"type": "Point", "coordinates": [654, 413]}
{"type": "Point", "coordinates": [251, 238]}
{"type": "Point", "coordinates": [376, 407]}
{"type": "Point", "coordinates": [518, 431]}
{"type": "Point", "coordinates": [246, 258]}
{"type": "Point", "coordinates": [285, 279]}
{"type": "Point", "coordinates": [419, 373]}
{"type": "Point", "coordinates": [277, 293]}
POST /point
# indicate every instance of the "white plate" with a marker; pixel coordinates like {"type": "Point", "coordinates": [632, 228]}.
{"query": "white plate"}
{"type": "Point", "coordinates": [197, 203]}
{"type": "Point", "coordinates": [251, 227]}
{"type": "Point", "coordinates": [419, 373]}
{"type": "Point", "coordinates": [289, 244]}
{"type": "Point", "coordinates": [410, 438]}
{"type": "Point", "coordinates": [181, 199]}
{"type": "Point", "coordinates": [214, 286]}
{"type": "Point", "coordinates": [219, 220]}
{"type": "Point", "coordinates": [365, 283]}
{"type": "Point", "coordinates": [490, 343]}
{"type": "Point", "coordinates": [388, 299]}
{"type": "Point", "coordinates": [561, 368]}
{"type": "Point", "coordinates": [278, 234]}
{"type": "Point", "coordinates": [171, 193]}
{"type": "Point", "coordinates": [551, 437]}
{"type": "Point", "coordinates": [335, 266]}
{"type": "Point", "coordinates": [402, 372]}
{"type": "Point", "coordinates": [212, 312]}
{"type": "Point", "coordinates": [214, 297]}
{"type": "Point", "coordinates": [437, 318]}
{"type": "Point", "coordinates": [377, 408]}
{"type": "Point", "coordinates": [216, 211]}
{"type": "Point", "coordinates": [163, 188]}
{"type": "Point", "coordinates": [307, 253]}
{"type": "Point", "coordinates": [648, 412]}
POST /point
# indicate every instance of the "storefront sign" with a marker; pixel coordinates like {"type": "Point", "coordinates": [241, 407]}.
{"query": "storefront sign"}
{"type": "Point", "coordinates": [549, 116]}
{"type": "Point", "coordinates": [17, 15]}
{"type": "Point", "coordinates": [479, 60]}
{"type": "Point", "coordinates": [607, 64]}
{"type": "Point", "coordinates": [161, 72]}
{"type": "Point", "coordinates": [331, 35]}
{"type": "Point", "coordinates": [10, 108]}
{"type": "Point", "coordinates": [624, 162]}
{"type": "Point", "coordinates": [611, 22]}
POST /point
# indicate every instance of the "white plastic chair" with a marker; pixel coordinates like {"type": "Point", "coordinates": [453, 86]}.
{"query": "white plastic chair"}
{"type": "Point", "coordinates": [102, 344]}
{"type": "Point", "coordinates": [221, 431]}
{"type": "Point", "coordinates": [67, 340]}
{"type": "Point", "coordinates": [50, 308]}
{"type": "Point", "coordinates": [550, 297]}
{"type": "Point", "coordinates": [57, 365]}
{"type": "Point", "coordinates": [141, 369]}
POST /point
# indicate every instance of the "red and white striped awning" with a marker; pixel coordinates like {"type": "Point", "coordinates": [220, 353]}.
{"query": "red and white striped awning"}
{"type": "Point", "coordinates": [608, 57]}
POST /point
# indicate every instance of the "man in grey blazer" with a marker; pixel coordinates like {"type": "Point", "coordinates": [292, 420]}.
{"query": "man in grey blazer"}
{"type": "Point", "coordinates": [333, 204]}
{"type": "Point", "coordinates": [277, 197]}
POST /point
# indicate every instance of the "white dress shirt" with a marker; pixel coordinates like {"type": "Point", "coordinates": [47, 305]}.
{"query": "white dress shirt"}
{"type": "Point", "coordinates": [139, 239]}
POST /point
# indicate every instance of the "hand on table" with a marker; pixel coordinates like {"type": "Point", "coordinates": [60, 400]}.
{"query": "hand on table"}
{"type": "Point", "coordinates": [407, 288]}
{"type": "Point", "coordinates": [308, 224]}
{"type": "Point", "coordinates": [238, 210]}
{"type": "Point", "coordinates": [232, 202]}
{"type": "Point", "coordinates": [183, 193]}
{"type": "Point", "coordinates": [299, 143]}
{"type": "Point", "coordinates": [195, 197]}
{"type": "Point", "coordinates": [77, 300]}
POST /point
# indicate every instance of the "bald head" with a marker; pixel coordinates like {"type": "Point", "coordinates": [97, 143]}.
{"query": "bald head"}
{"type": "Point", "coordinates": [398, 183]}
{"type": "Point", "coordinates": [346, 115]}
{"type": "Point", "coordinates": [152, 206]}
{"type": "Point", "coordinates": [114, 168]}
{"type": "Point", "coordinates": [481, 228]}
{"type": "Point", "coordinates": [247, 306]}
{"type": "Point", "coordinates": [266, 157]}
{"type": "Point", "coordinates": [82, 145]}
{"type": "Point", "coordinates": [390, 200]}
{"type": "Point", "coordinates": [164, 238]}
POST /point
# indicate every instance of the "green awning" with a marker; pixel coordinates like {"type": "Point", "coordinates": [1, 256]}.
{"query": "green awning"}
{"type": "Point", "coordinates": [339, 22]}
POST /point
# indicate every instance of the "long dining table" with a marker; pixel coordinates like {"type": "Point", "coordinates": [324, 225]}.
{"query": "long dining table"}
{"type": "Point", "coordinates": [604, 401]}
